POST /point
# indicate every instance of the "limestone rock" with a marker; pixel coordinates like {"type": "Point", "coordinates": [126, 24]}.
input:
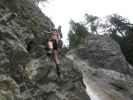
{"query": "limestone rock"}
{"type": "Point", "coordinates": [105, 71]}
{"type": "Point", "coordinates": [98, 71]}
{"type": "Point", "coordinates": [103, 52]}
{"type": "Point", "coordinates": [23, 38]}
{"type": "Point", "coordinates": [8, 88]}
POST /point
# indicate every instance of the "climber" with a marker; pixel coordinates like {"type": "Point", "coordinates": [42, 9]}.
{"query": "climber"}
{"type": "Point", "coordinates": [54, 44]}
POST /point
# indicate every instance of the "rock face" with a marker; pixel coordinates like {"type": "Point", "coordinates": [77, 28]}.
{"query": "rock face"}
{"type": "Point", "coordinates": [106, 52]}
{"type": "Point", "coordinates": [98, 71]}
{"type": "Point", "coordinates": [105, 71]}
{"type": "Point", "coordinates": [26, 73]}
{"type": "Point", "coordinates": [22, 28]}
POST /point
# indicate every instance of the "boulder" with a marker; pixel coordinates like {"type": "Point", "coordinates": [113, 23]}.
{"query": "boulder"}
{"type": "Point", "coordinates": [105, 71]}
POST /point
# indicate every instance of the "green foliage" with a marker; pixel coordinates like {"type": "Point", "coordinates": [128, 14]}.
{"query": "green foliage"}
{"type": "Point", "coordinates": [120, 24]}
{"type": "Point", "coordinates": [11, 4]}
{"type": "Point", "coordinates": [77, 34]}
{"type": "Point", "coordinates": [92, 22]}
{"type": "Point", "coordinates": [26, 18]}
{"type": "Point", "coordinates": [34, 24]}
{"type": "Point", "coordinates": [122, 32]}
{"type": "Point", "coordinates": [80, 30]}
{"type": "Point", "coordinates": [118, 27]}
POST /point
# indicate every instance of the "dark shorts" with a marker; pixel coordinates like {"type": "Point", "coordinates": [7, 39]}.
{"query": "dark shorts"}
{"type": "Point", "coordinates": [55, 45]}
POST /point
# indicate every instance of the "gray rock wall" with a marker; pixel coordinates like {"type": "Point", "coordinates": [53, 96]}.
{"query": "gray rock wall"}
{"type": "Point", "coordinates": [104, 52]}
{"type": "Point", "coordinates": [24, 65]}
{"type": "Point", "coordinates": [98, 71]}
{"type": "Point", "coordinates": [106, 73]}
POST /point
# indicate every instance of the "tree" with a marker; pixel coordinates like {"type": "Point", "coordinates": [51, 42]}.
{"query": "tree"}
{"type": "Point", "coordinates": [118, 27]}
{"type": "Point", "coordinates": [121, 30]}
{"type": "Point", "coordinates": [77, 34]}
{"type": "Point", "coordinates": [92, 23]}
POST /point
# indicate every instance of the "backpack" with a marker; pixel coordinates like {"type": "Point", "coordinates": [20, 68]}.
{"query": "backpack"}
{"type": "Point", "coordinates": [60, 44]}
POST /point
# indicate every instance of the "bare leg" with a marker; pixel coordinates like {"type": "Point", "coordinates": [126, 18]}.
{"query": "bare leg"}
{"type": "Point", "coordinates": [50, 48]}
{"type": "Point", "coordinates": [56, 57]}
{"type": "Point", "coordinates": [57, 62]}
{"type": "Point", "coordinates": [50, 44]}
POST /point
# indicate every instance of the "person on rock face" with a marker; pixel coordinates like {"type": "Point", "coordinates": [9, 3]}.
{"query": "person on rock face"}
{"type": "Point", "coordinates": [54, 44]}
